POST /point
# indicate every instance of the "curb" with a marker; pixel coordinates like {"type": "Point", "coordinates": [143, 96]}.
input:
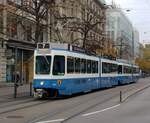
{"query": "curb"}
{"type": "Point", "coordinates": [135, 92]}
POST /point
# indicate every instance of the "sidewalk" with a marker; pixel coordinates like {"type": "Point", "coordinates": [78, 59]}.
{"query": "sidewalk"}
{"type": "Point", "coordinates": [7, 91]}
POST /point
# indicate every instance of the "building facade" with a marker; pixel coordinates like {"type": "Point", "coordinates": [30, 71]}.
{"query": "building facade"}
{"type": "Point", "coordinates": [81, 20]}
{"type": "Point", "coordinates": [120, 30]}
{"type": "Point", "coordinates": [62, 23]}
{"type": "Point", "coordinates": [136, 44]}
{"type": "Point", "coordinates": [16, 44]}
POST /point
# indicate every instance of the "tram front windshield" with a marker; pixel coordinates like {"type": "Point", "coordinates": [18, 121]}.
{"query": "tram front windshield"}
{"type": "Point", "coordinates": [43, 64]}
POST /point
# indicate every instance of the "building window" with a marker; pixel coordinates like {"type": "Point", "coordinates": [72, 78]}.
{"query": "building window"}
{"type": "Point", "coordinates": [18, 2]}
{"type": "Point", "coordinates": [1, 22]}
{"type": "Point", "coordinates": [12, 26]}
{"type": "Point", "coordinates": [29, 33]}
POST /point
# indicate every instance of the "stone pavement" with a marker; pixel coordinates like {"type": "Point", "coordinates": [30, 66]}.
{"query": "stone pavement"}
{"type": "Point", "coordinates": [7, 91]}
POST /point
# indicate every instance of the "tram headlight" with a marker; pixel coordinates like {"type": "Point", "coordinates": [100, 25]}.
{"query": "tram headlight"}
{"type": "Point", "coordinates": [42, 83]}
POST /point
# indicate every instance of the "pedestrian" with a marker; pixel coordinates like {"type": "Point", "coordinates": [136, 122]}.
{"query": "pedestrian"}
{"type": "Point", "coordinates": [17, 78]}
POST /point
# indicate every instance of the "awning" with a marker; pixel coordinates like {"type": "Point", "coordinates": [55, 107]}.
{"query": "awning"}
{"type": "Point", "coordinates": [21, 45]}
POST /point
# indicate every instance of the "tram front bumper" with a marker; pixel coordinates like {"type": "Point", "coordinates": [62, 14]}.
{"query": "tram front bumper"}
{"type": "Point", "coordinates": [39, 93]}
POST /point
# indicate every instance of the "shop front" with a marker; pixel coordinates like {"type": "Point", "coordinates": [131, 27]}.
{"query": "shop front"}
{"type": "Point", "coordinates": [19, 67]}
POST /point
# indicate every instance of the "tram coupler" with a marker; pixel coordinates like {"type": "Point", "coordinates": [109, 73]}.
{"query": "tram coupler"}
{"type": "Point", "coordinates": [39, 93]}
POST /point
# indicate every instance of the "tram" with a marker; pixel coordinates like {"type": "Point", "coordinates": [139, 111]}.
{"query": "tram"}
{"type": "Point", "coordinates": [60, 69]}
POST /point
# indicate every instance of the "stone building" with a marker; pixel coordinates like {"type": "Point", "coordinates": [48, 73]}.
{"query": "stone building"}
{"type": "Point", "coordinates": [16, 45]}
{"type": "Point", "coordinates": [64, 22]}
{"type": "Point", "coordinates": [74, 16]}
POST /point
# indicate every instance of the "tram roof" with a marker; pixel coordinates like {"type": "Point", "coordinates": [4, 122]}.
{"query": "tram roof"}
{"type": "Point", "coordinates": [70, 50]}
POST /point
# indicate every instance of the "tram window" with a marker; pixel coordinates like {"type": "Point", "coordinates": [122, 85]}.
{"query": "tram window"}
{"type": "Point", "coordinates": [105, 67]}
{"type": "Point", "coordinates": [70, 64]}
{"type": "Point", "coordinates": [127, 69]}
{"type": "Point", "coordinates": [83, 66]}
{"type": "Point", "coordinates": [120, 69]}
{"type": "Point", "coordinates": [77, 65]}
{"type": "Point", "coordinates": [135, 70]}
{"type": "Point", "coordinates": [43, 64]}
{"type": "Point", "coordinates": [113, 68]}
{"type": "Point", "coordinates": [94, 66]}
{"type": "Point", "coordinates": [59, 65]}
{"type": "Point", "coordinates": [96, 63]}
{"type": "Point", "coordinates": [88, 66]}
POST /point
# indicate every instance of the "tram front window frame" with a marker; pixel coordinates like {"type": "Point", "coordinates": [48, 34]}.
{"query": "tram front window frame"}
{"type": "Point", "coordinates": [43, 65]}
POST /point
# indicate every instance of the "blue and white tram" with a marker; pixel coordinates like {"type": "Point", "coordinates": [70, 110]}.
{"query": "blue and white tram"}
{"type": "Point", "coordinates": [124, 73]}
{"type": "Point", "coordinates": [127, 73]}
{"type": "Point", "coordinates": [136, 73]}
{"type": "Point", "coordinates": [108, 73]}
{"type": "Point", "coordinates": [64, 72]}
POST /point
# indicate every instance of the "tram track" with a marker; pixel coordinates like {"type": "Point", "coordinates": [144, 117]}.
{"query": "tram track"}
{"type": "Point", "coordinates": [60, 110]}
{"type": "Point", "coordinates": [106, 95]}
{"type": "Point", "coordinates": [22, 105]}
{"type": "Point", "coordinates": [92, 106]}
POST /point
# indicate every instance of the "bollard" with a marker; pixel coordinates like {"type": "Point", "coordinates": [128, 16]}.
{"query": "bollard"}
{"type": "Point", "coordinates": [30, 88]}
{"type": "Point", "coordinates": [120, 96]}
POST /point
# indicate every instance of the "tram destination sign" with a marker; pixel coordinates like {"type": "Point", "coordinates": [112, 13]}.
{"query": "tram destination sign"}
{"type": "Point", "coordinates": [43, 51]}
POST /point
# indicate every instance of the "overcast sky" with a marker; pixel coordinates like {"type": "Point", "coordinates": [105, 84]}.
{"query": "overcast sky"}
{"type": "Point", "coordinates": [139, 15]}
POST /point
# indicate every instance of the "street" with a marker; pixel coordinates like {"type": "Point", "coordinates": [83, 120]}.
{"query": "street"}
{"type": "Point", "coordinates": [77, 108]}
{"type": "Point", "coordinates": [74, 61]}
{"type": "Point", "coordinates": [135, 110]}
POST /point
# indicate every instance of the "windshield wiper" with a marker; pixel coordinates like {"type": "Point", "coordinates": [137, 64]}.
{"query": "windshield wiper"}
{"type": "Point", "coordinates": [46, 60]}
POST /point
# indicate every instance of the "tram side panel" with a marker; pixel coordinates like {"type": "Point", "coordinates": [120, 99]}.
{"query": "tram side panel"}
{"type": "Point", "coordinates": [66, 73]}
{"type": "Point", "coordinates": [82, 72]}
{"type": "Point", "coordinates": [109, 73]}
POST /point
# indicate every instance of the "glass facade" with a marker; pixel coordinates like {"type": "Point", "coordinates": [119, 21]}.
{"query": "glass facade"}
{"type": "Point", "coordinates": [18, 63]}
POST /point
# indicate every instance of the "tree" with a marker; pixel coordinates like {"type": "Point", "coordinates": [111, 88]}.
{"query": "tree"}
{"type": "Point", "coordinates": [35, 11]}
{"type": "Point", "coordinates": [144, 62]}
{"type": "Point", "coordinates": [90, 22]}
